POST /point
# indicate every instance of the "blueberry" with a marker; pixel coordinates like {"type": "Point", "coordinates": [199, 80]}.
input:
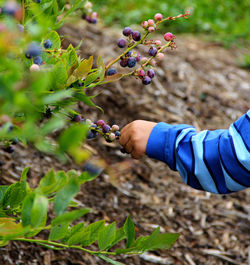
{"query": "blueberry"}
{"type": "Point", "coordinates": [128, 54]}
{"type": "Point", "coordinates": [93, 126]}
{"type": "Point", "coordinates": [121, 43]}
{"type": "Point", "coordinates": [91, 169]}
{"type": "Point", "coordinates": [91, 134]}
{"type": "Point", "coordinates": [124, 62]}
{"type": "Point", "coordinates": [37, 1]}
{"type": "Point", "coordinates": [48, 113]}
{"type": "Point", "coordinates": [152, 51]}
{"type": "Point", "coordinates": [10, 8]}
{"type": "Point", "coordinates": [77, 118]}
{"type": "Point", "coordinates": [93, 20]}
{"type": "Point", "coordinates": [38, 60]}
{"type": "Point", "coordinates": [106, 128]}
{"type": "Point", "coordinates": [47, 44]}
{"type": "Point", "coordinates": [131, 62]}
{"type": "Point", "coordinates": [151, 73]}
{"type": "Point", "coordinates": [33, 50]}
{"type": "Point", "coordinates": [136, 35]}
{"type": "Point", "coordinates": [117, 134]}
{"type": "Point", "coordinates": [127, 31]}
{"type": "Point", "coordinates": [146, 80]}
{"type": "Point", "coordinates": [14, 141]}
{"type": "Point", "coordinates": [111, 71]}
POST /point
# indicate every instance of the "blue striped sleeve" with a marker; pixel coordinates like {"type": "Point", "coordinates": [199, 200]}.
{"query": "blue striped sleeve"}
{"type": "Point", "coordinates": [215, 161]}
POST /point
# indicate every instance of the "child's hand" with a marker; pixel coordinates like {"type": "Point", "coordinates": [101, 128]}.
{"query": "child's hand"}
{"type": "Point", "coordinates": [134, 137]}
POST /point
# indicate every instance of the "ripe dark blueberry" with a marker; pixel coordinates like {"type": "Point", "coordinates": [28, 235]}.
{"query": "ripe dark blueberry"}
{"type": "Point", "coordinates": [152, 51]}
{"type": "Point", "coordinates": [10, 8]}
{"type": "Point", "coordinates": [131, 62]}
{"type": "Point", "coordinates": [47, 44]}
{"type": "Point", "coordinates": [111, 71]}
{"type": "Point", "coordinates": [88, 19]}
{"type": "Point", "coordinates": [91, 134]}
{"type": "Point", "coordinates": [124, 62]}
{"type": "Point", "coordinates": [48, 113]}
{"type": "Point", "coordinates": [105, 128]}
{"type": "Point", "coordinates": [77, 118]}
{"type": "Point", "coordinates": [146, 80]}
{"type": "Point", "coordinates": [121, 43]}
{"type": "Point", "coordinates": [128, 54]}
{"type": "Point", "coordinates": [11, 127]}
{"type": "Point", "coordinates": [151, 73]}
{"type": "Point", "coordinates": [33, 50]}
{"type": "Point", "coordinates": [38, 60]}
{"type": "Point", "coordinates": [93, 20]}
{"type": "Point", "coordinates": [9, 149]}
{"type": "Point", "coordinates": [117, 134]}
{"type": "Point", "coordinates": [136, 35]}
{"type": "Point", "coordinates": [91, 169]}
{"type": "Point", "coordinates": [127, 31]}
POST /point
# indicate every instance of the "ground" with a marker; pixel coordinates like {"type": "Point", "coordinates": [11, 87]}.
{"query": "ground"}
{"type": "Point", "coordinates": [199, 84]}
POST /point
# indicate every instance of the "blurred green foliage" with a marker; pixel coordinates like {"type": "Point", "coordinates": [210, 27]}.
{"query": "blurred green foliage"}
{"type": "Point", "coordinates": [226, 21]}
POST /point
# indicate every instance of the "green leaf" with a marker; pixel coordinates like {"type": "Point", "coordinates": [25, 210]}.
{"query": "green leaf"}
{"type": "Point", "coordinates": [70, 216]}
{"type": "Point", "coordinates": [65, 195]}
{"type": "Point", "coordinates": [109, 260]}
{"type": "Point", "coordinates": [59, 231]}
{"type": "Point", "coordinates": [73, 137]}
{"type": "Point", "coordinates": [71, 56]}
{"type": "Point", "coordinates": [39, 210]}
{"type": "Point", "coordinates": [120, 235]}
{"type": "Point", "coordinates": [112, 78]}
{"type": "Point", "coordinates": [129, 229]}
{"type": "Point", "coordinates": [102, 68]}
{"type": "Point", "coordinates": [24, 174]}
{"type": "Point", "coordinates": [73, 230]}
{"type": "Point", "coordinates": [59, 76]}
{"type": "Point", "coordinates": [54, 124]}
{"type": "Point", "coordinates": [10, 229]}
{"type": "Point", "coordinates": [87, 100]}
{"type": "Point", "coordinates": [91, 78]}
{"type": "Point", "coordinates": [55, 40]}
{"type": "Point", "coordinates": [58, 96]}
{"type": "Point", "coordinates": [27, 208]}
{"type": "Point", "coordinates": [2, 191]}
{"type": "Point", "coordinates": [86, 176]}
{"type": "Point", "coordinates": [106, 236]}
{"type": "Point", "coordinates": [89, 234]}
{"type": "Point", "coordinates": [14, 195]}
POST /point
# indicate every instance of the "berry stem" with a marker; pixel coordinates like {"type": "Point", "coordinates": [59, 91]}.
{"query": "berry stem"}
{"type": "Point", "coordinates": [173, 18]}
{"type": "Point", "coordinates": [130, 48]}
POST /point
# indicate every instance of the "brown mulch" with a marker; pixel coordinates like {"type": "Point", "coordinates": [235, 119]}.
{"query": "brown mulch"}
{"type": "Point", "coordinates": [198, 84]}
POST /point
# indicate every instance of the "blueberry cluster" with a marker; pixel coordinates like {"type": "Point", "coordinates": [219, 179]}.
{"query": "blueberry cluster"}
{"type": "Point", "coordinates": [91, 16]}
{"type": "Point", "coordinates": [146, 76]}
{"type": "Point", "coordinates": [110, 133]}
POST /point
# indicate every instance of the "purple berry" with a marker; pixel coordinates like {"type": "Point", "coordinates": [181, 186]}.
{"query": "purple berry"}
{"type": "Point", "coordinates": [124, 62]}
{"type": "Point", "coordinates": [105, 128]}
{"type": "Point", "coordinates": [136, 35]}
{"type": "Point", "coordinates": [141, 73]}
{"type": "Point", "coordinates": [94, 20]}
{"type": "Point", "coordinates": [146, 80]}
{"type": "Point", "coordinates": [77, 118]}
{"type": "Point", "coordinates": [151, 73]}
{"type": "Point", "coordinates": [131, 62]}
{"type": "Point", "coordinates": [138, 57]}
{"type": "Point", "coordinates": [127, 31]}
{"type": "Point", "coordinates": [38, 60]}
{"type": "Point", "coordinates": [47, 44]}
{"type": "Point", "coordinates": [91, 169]}
{"type": "Point", "coordinates": [117, 134]}
{"type": "Point", "coordinates": [121, 43]}
{"type": "Point", "coordinates": [152, 51]}
{"type": "Point", "coordinates": [100, 123]}
{"type": "Point", "coordinates": [10, 8]}
{"type": "Point", "coordinates": [111, 71]}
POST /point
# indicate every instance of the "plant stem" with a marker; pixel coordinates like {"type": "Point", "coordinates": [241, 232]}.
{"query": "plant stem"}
{"type": "Point", "coordinates": [47, 242]}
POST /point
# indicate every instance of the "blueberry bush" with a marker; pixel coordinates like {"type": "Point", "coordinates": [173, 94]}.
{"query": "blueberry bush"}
{"type": "Point", "coordinates": [41, 85]}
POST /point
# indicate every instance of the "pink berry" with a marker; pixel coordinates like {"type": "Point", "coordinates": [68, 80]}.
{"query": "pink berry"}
{"type": "Point", "coordinates": [94, 15]}
{"type": "Point", "coordinates": [100, 123]}
{"type": "Point", "coordinates": [115, 128]}
{"type": "Point", "coordinates": [160, 56]}
{"type": "Point", "coordinates": [158, 17]}
{"type": "Point", "coordinates": [141, 73]}
{"type": "Point", "coordinates": [168, 36]}
{"type": "Point", "coordinates": [144, 24]}
{"type": "Point", "coordinates": [34, 68]}
{"type": "Point", "coordinates": [138, 57]}
{"type": "Point", "coordinates": [143, 60]}
{"type": "Point", "coordinates": [112, 136]}
{"type": "Point", "coordinates": [151, 29]}
{"type": "Point", "coordinates": [151, 22]}
{"type": "Point", "coordinates": [158, 42]}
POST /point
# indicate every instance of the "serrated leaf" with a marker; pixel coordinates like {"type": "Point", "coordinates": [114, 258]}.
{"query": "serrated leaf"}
{"type": "Point", "coordinates": [106, 236]}
{"type": "Point", "coordinates": [59, 231]}
{"type": "Point", "coordinates": [70, 216]}
{"type": "Point", "coordinates": [129, 229]}
{"type": "Point", "coordinates": [55, 40]}
{"type": "Point", "coordinates": [65, 195]}
{"type": "Point", "coordinates": [89, 234]}
{"type": "Point", "coordinates": [109, 260]}
{"type": "Point", "coordinates": [39, 210]}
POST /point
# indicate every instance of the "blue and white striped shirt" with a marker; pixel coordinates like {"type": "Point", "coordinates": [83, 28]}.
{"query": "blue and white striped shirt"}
{"type": "Point", "coordinates": [215, 161]}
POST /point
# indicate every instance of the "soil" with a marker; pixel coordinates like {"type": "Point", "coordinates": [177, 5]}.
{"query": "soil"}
{"type": "Point", "coordinates": [200, 84]}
